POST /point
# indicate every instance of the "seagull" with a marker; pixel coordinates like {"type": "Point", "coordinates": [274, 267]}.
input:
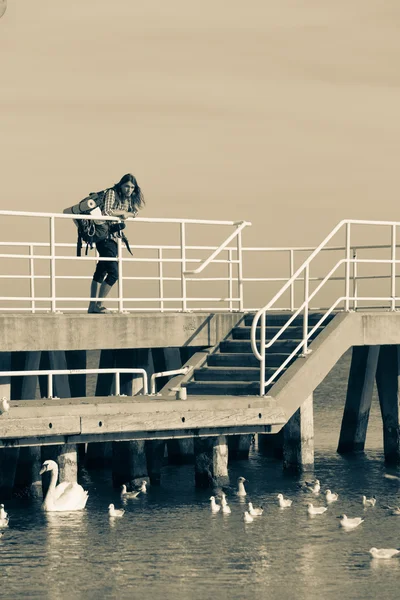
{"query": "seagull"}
{"type": "Point", "coordinates": [247, 517]}
{"type": "Point", "coordinates": [255, 512]}
{"type": "Point", "coordinates": [311, 486]}
{"type": "Point", "coordinates": [330, 496]}
{"type": "Point", "coordinates": [383, 552]}
{"type": "Point", "coordinates": [126, 494]}
{"type": "Point", "coordinates": [315, 510]}
{"type": "Point", "coordinates": [396, 511]}
{"type": "Point", "coordinates": [223, 499]}
{"type": "Point", "coordinates": [3, 517]}
{"type": "Point", "coordinates": [369, 501]}
{"type": "Point", "coordinates": [214, 506]}
{"type": "Point", "coordinates": [240, 489]}
{"type": "Point", "coordinates": [114, 512]}
{"type": "Point", "coordinates": [226, 510]}
{"type": "Point", "coordinates": [284, 502]}
{"type": "Point", "coordinates": [350, 523]}
{"type": "Point", "coordinates": [389, 476]}
{"type": "Point", "coordinates": [4, 405]}
{"type": "Point", "coordinates": [143, 487]}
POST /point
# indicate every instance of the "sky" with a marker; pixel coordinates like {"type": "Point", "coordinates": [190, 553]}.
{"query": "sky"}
{"type": "Point", "coordinates": [284, 113]}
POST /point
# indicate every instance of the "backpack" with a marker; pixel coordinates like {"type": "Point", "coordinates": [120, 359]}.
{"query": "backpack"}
{"type": "Point", "coordinates": [92, 231]}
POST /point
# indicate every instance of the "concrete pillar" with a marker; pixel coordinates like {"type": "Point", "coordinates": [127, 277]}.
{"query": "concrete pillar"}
{"type": "Point", "coordinates": [180, 451]}
{"type": "Point", "coordinates": [65, 455]}
{"type": "Point", "coordinates": [239, 446]}
{"type": "Point", "coordinates": [77, 359]}
{"type": "Point", "coordinates": [155, 459]}
{"type": "Point", "coordinates": [8, 456]}
{"type": "Point", "coordinates": [298, 439]}
{"type": "Point", "coordinates": [271, 444]}
{"type": "Point", "coordinates": [99, 454]}
{"type": "Point", "coordinates": [358, 399]}
{"type": "Point", "coordinates": [211, 461]}
{"type": "Point", "coordinates": [58, 361]}
{"type": "Point", "coordinates": [129, 464]}
{"type": "Point", "coordinates": [387, 380]}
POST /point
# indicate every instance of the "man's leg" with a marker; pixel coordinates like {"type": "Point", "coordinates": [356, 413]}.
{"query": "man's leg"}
{"type": "Point", "coordinates": [94, 290]}
{"type": "Point", "coordinates": [105, 289]}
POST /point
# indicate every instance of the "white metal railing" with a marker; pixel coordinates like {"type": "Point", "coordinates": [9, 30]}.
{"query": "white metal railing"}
{"type": "Point", "coordinates": [344, 300]}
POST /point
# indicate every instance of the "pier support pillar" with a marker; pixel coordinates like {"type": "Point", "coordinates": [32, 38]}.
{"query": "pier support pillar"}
{"type": "Point", "coordinates": [358, 399]}
{"type": "Point", "coordinates": [77, 359]}
{"type": "Point", "coordinates": [239, 446]}
{"type": "Point", "coordinates": [129, 464]}
{"type": "Point", "coordinates": [298, 439]}
{"type": "Point", "coordinates": [180, 451]}
{"type": "Point", "coordinates": [211, 461]}
{"type": "Point", "coordinates": [8, 456]}
{"type": "Point", "coordinates": [387, 380]}
{"type": "Point", "coordinates": [271, 444]}
{"type": "Point", "coordinates": [65, 455]}
{"type": "Point", "coordinates": [155, 459]}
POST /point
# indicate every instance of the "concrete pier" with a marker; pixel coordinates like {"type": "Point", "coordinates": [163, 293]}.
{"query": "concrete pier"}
{"type": "Point", "coordinates": [358, 399]}
{"type": "Point", "coordinates": [129, 464]}
{"type": "Point", "coordinates": [298, 439]}
{"type": "Point", "coordinates": [211, 461]}
{"type": "Point", "coordinates": [387, 380]}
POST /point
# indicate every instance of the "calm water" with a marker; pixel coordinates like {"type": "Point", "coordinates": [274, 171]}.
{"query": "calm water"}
{"type": "Point", "coordinates": [169, 545]}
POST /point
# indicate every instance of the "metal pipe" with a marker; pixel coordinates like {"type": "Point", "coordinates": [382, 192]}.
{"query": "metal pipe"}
{"type": "Point", "coordinates": [305, 313]}
{"type": "Point", "coordinates": [393, 268]}
{"type": "Point", "coordinates": [52, 266]}
{"type": "Point", "coordinates": [183, 266]}
{"type": "Point", "coordinates": [182, 371]}
{"type": "Point", "coordinates": [347, 268]}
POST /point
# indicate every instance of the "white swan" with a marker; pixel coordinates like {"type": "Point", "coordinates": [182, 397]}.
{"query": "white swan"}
{"type": "Point", "coordinates": [214, 506]}
{"type": "Point", "coordinates": [241, 489]}
{"type": "Point", "coordinates": [369, 501]}
{"type": "Point", "coordinates": [350, 523]}
{"type": "Point", "coordinates": [383, 552]}
{"type": "Point", "coordinates": [126, 494]}
{"type": "Point", "coordinates": [255, 512]}
{"type": "Point", "coordinates": [115, 512]}
{"type": "Point", "coordinates": [315, 510]}
{"type": "Point", "coordinates": [65, 496]}
{"type": "Point", "coordinates": [3, 517]}
{"type": "Point", "coordinates": [247, 517]}
{"type": "Point", "coordinates": [330, 496]}
{"type": "Point", "coordinates": [284, 502]}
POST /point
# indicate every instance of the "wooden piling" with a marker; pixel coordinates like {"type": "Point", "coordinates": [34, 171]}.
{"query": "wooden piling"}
{"type": "Point", "coordinates": [387, 380]}
{"type": "Point", "coordinates": [360, 386]}
{"type": "Point", "coordinates": [298, 439]}
{"type": "Point", "coordinates": [211, 461]}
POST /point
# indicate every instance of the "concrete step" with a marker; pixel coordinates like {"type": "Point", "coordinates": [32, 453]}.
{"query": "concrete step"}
{"type": "Point", "coordinates": [242, 346]}
{"type": "Point", "coordinates": [230, 374]}
{"type": "Point", "coordinates": [282, 318]}
{"type": "Point", "coordinates": [243, 333]}
{"type": "Point", "coordinates": [223, 388]}
{"type": "Point", "coordinates": [247, 359]}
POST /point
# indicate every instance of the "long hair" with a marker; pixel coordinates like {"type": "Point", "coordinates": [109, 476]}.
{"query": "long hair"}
{"type": "Point", "coordinates": [137, 198]}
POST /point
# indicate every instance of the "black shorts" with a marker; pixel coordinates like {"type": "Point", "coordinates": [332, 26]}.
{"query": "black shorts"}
{"type": "Point", "coordinates": [107, 270]}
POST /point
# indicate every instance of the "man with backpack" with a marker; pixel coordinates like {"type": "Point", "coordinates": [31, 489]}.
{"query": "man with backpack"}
{"type": "Point", "coordinates": [123, 200]}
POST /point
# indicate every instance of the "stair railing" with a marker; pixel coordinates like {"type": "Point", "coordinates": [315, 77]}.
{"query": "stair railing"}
{"type": "Point", "coordinates": [349, 259]}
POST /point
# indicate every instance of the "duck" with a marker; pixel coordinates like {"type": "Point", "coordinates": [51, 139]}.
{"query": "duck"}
{"type": "Point", "coordinates": [383, 552]}
{"type": "Point", "coordinates": [313, 487]}
{"type": "Point", "coordinates": [284, 502]}
{"type": "Point", "coordinates": [3, 517]}
{"type": "Point", "coordinates": [65, 496]}
{"type": "Point", "coordinates": [350, 523]}
{"type": "Point", "coordinates": [369, 501]}
{"type": "Point", "coordinates": [247, 517]}
{"type": "Point", "coordinates": [214, 506]}
{"type": "Point", "coordinates": [115, 512]}
{"type": "Point", "coordinates": [331, 496]}
{"type": "Point", "coordinates": [240, 487]}
{"type": "Point", "coordinates": [126, 494]}
{"type": "Point", "coordinates": [226, 509]}
{"type": "Point", "coordinates": [255, 512]}
{"type": "Point", "coordinates": [4, 405]}
{"type": "Point", "coordinates": [315, 510]}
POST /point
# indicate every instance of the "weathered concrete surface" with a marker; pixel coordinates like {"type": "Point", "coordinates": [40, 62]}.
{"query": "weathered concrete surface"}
{"type": "Point", "coordinates": [388, 384]}
{"type": "Point", "coordinates": [298, 439]}
{"type": "Point", "coordinates": [115, 331]}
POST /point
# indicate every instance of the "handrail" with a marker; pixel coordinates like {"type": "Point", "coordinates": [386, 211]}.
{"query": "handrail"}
{"type": "Point", "coordinates": [304, 268]}
{"type": "Point", "coordinates": [234, 234]}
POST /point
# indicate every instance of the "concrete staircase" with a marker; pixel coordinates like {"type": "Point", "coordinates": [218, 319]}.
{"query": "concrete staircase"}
{"type": "Point", "coordinates": [234, 370]}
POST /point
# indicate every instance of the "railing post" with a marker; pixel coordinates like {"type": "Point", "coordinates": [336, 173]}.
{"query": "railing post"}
{"type": "Point", "coordinates": [355, 284]}
{"type": "Point", "coordinates": [120, 276]}
{"type": "Point", "coordinates": [32, 277]}
{"type": "Point", "coordinates": [117, 384]}
{"type": "Point", "coordinates": [230, 282]}
{"type": "Point", "coordinates": [160, 278]}
{"type": "Point", "coordinates": [262, 352]}
{"type": "Point", "coordinates": [347, 270]}
{"type": "Point", "coordinates": [291, 259]}
{"type": "Point", "coordinates": [240, 269]}
{"type": "Point", "coordinates": [305, 316]}
{"type": "Point", "coordinates": [393, 269]}
{"type": "Point", "coordinates": [50, 385]}
{"type": "Point", "coordinates": [52, 265]}
{"type": "Point", "coordinates": [183, 266]}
